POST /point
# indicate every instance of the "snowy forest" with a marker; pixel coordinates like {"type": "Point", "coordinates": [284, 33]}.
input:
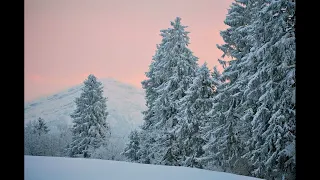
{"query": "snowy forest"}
{"type": "Point", "coordinates": [240, 120]}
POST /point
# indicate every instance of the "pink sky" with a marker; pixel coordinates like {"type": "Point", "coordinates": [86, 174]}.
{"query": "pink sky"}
{"type": "Point", "coordinates": [66, 40]}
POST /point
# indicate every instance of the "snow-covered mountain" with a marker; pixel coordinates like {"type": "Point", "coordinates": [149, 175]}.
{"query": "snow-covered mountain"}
{"type": "Point", "coordinates": [125, 104]}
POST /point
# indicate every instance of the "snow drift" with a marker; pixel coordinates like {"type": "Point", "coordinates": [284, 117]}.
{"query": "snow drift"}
{"type": "Point", "coordinates": [58, 168]}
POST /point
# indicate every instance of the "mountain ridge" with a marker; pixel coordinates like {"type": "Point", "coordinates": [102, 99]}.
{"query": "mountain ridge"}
{"type": "Point", "coordinates": [124, 105]}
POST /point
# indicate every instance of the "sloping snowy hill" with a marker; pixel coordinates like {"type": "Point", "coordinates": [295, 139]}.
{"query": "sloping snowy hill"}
{"type": "Point", "coordinates": [57, 168]}
{"type": "Point", "coordinates": [125, 104]}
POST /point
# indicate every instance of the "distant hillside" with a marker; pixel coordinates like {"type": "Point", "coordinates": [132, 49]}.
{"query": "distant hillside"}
{"type": "Point", "coordinates": [125, 104]}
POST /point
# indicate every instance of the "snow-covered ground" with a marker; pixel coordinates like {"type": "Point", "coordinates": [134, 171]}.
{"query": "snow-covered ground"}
{"type": "Point", "coordinates": [58, 168]}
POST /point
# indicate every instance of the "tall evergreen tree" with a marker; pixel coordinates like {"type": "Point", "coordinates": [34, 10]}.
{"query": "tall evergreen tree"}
{"type": "Point", "coordinates": [170, 75]}
{"type": "Point", "coordinates": [254, 111]}
{"type": "Point", "coordinates": [228, 133]}
{"type": "Point", "coordinates": [90, 128]}
{"type": "Point", "coordinates": [193, 115]}
{"type": "Point", "coordinates": [272, 86]}
{"type": "Point", "coordinates": [148, 133]}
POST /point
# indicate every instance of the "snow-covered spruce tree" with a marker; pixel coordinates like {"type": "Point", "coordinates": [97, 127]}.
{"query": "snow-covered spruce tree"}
{"type": "Point", "coordinates": [229, 129]}
{"type": "Point", "coordinates": [224, 147]}
{"type": "Point", "coordinates": [132, 148]}
{"type": "Point", "coordinates": [41, 127]}
{"type": "Point", "coordinates": [170, 76]}
{"type": "Point", "coordinates": [40, 141]}
{"type": "Point", "coordinates": [148, 133]}
{"type": "Point", "coordinates": [145, 153]}
{"type": "Point", "coordinates": [193, 115]}
{"type": "Point", "coordinates": [210, 125]}
{"type": "Point", "coordinates": [31, 139]}
{"type": "Point", "coordinates": [272, 87]}
{"type": "Point", "coordinates": [178, 68]}
{"type": "Point", "coordinates": [254, 110]}
{"type": "Point", "coordinates": [90, 128]}
{"type": "Point", "coordinates": [64, 138]}
{"type": "Point", "coordinates": [37, 139]}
